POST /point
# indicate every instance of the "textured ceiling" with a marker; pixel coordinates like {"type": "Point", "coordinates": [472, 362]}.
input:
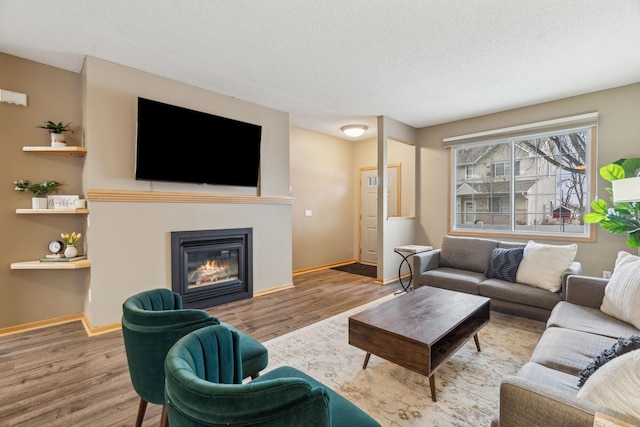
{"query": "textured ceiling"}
{"type": "Point", "coordinates": [333, 62]}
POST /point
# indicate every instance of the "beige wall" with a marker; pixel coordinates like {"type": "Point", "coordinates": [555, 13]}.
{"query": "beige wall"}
{"type": "Point", "coordinates": [395, 231]}
{"type": "Point", "coordinates": [322, 181]}
{"type": "Point", "coordinates": [52, 94]}
{"type": "Point", "coordinates": [618, 132]}
{"type": "Point", "coordinates": [129, 243]}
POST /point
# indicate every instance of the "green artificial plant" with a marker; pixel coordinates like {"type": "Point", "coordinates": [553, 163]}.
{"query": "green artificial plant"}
{"type": "Point", "coordinates": [38, 190]}
{"type": "Point", "coordinates": [623, 217]}
{"type": "Point", "coordinates": [53, 127]}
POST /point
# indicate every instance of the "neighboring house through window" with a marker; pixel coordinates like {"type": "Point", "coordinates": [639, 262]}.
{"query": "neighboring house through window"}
{"type": "Point", "coordinates": [532, 179]}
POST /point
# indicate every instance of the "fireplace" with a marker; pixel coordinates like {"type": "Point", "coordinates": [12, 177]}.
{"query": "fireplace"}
{"type": "Point", "coordinates": [212, 267]}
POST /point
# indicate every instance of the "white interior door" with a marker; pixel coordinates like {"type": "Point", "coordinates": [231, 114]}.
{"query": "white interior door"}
{"type": "Point", "coordinates": [369, 210]}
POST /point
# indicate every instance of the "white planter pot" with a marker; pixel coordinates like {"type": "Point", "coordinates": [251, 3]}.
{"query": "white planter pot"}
{"type": "Point", "coordinates": [39, 203]}
{"type": "Point", "coordinates": [70, 252]}
{"type": "Point", "coordinates": [58, 137]}
{"type": "Point", "coordinates": [58, 140]}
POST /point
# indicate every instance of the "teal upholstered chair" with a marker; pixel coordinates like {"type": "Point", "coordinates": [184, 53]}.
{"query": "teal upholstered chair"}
{"type": "Point", "coordinates": [204, 388]}
{"type": "Point", "coordinates": [152, 321]}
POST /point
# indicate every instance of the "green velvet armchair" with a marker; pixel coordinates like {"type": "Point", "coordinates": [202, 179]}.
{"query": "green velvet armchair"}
{"type": "Point", "coordinates": [204, 387]}
{"type": "Point", "coordinates": [152, 322]}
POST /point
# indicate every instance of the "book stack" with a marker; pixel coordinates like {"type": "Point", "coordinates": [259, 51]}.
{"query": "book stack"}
{"type": "Point", "coordinates": [62, 259]}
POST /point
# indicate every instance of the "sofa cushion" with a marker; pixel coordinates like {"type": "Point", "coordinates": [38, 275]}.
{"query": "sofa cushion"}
{"type": "Point", "coordinates": [622, 346]}
{"type": "Point", "coordinates": [542, 265]}
{"type": "Point", "coordinates": [592, 320]}
{"type": "Point", "coordinates": [539, 374]}
{"type": "Point", "coordinates": [452, 279]}
{"type": "Point", "coordinates": [503, 263]}
{"type": "Point", "coordinates": [519, 293]}
{"type": "Point", "coordinates": [615, 385]}
{"type": "Point", "coordinates": [466, 253]}
{"type": "Point", "coordinates": [568, 351]}
{"type": "Point", "coordinates": [622, 293]}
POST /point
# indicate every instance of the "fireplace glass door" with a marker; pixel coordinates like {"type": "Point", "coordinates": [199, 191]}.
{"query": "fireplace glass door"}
{"type": "Point", "coordinates": [211, 266]}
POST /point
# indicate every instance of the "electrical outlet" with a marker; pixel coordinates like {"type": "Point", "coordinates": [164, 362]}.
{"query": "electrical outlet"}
{"type": "Point", "coordinates": [606, 274]}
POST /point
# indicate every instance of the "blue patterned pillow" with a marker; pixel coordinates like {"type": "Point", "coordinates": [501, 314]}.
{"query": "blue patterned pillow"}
{"type": "Point", "coordinates": [624, 345]}
{"type": "Point", "coordinates": [503, 263]}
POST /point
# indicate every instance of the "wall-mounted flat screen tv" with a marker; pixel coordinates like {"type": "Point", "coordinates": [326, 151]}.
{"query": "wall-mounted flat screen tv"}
{"type": "Point", "coordinates": [177, 144]}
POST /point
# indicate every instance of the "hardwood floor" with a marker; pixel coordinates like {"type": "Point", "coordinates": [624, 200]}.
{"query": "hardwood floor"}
{"type": "Point", "coordinates": [57, 376]}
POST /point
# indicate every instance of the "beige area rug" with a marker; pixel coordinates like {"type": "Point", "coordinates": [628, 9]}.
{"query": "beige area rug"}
{"type": "Point", "coordinates": [467, 387]}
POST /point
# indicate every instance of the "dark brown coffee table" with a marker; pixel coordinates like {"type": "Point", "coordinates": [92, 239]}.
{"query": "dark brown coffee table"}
{"type": "Point", "coordinates": [420, 330]}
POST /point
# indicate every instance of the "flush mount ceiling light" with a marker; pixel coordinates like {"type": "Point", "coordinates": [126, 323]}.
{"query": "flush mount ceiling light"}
{"type": "Point", "coordinates": [354, 130]}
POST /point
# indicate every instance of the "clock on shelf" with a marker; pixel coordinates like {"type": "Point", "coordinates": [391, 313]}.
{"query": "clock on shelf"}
{"type": "Point", "coordinates": [56, 247]}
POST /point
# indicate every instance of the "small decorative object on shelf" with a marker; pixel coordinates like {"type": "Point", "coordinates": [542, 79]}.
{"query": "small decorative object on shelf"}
{"type": "Point", "coordinates": [57, 131]}
{"type": "Point", "coordinates": [63, 202]}
{"type": "Point", "coordinates": [70, 240]}
{"type": "Point", "coordinates": [40, 191]}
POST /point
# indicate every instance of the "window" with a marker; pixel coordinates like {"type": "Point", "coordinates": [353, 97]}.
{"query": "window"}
{"type": "Point", "coordinates": [535, 183]}
{"type": "Point", "coordinates": [468, 172]}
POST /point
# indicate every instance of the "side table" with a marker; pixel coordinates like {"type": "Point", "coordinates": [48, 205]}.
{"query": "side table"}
{"type": "Point", "coordinates": [406, 252]}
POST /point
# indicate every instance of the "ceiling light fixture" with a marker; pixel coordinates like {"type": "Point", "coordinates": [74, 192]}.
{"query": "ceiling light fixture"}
{"type": "Point", "coordinates": [354, 130]}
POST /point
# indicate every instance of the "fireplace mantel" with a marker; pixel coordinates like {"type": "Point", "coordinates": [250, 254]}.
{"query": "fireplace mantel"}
{"type": "Point", "coordinates": [179, 197]}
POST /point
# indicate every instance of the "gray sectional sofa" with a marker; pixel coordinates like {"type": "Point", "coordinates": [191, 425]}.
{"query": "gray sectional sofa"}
{"type": "Point", "coordinates": [545, 390]}
{"type": "Point", "coordinates": [461, 265]}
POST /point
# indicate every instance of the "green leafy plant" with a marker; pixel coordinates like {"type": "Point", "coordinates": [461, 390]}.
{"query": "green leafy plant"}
{"type": "Point", "coordinates": [622, 217]}
{"type": "Point", "coordinates": [54, 127]}
{"type": "Point", "coordinates": [38, 190]}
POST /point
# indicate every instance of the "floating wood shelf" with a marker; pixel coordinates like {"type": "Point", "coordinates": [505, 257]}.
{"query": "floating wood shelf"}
{"type": "Point", "coordinates": [38, 265]}
{"type": "Point", "coordinates": [52, 211]}
{"type": "Point", "coordinates": [73, 151]}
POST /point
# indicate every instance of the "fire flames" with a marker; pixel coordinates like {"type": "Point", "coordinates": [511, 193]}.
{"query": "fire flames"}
{"type": "Point", "coordinates": [210, 272]}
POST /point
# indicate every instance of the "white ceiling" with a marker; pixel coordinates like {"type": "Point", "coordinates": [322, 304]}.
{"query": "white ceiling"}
{"type": "Point", "coordinates": [334, 62]}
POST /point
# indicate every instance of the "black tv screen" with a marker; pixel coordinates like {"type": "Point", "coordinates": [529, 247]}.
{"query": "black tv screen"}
{"type": "Point", "coordinates": [177, 144]}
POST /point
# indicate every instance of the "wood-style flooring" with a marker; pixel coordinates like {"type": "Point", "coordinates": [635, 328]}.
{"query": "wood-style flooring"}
{"type": "Point", "coordinates": [58, 376]}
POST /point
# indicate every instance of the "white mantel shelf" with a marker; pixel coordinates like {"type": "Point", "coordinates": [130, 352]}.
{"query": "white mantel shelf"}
{"type": "Point", "coordinates": [177, 197]}
{"type": "Point", "coordinates": [38, 265]}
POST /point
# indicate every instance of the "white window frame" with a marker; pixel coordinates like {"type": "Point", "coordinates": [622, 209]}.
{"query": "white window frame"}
{"type": "Point", "coordinates": [585, 122]}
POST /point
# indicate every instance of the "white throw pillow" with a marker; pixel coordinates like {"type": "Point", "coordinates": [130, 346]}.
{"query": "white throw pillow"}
{"type": "Point", "coordinates": [542, 265]}
{"type": "Point", "coordinates": [622, 293]}
{"type": "Point", "coordinates": [615, 385]}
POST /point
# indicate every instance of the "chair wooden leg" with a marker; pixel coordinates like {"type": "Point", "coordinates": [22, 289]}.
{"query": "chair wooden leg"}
{"type": "Point", "coordinates": [256, 375]}
{"type": "Point", "coordinates": [142, 407]}
{"type": "Point", "coordinates": [164, 418]}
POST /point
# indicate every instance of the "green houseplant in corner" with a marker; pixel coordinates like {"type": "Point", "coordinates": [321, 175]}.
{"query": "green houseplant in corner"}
{"type": "Point", "coordinates": [622, 217]}
{"type": "Point", "coordinates": [57, 131]}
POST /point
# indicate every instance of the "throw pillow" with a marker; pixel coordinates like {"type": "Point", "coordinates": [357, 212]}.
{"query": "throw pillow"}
{"type": "Point", "coordinates": [542, 265]}
{"type": "Point", "coordinates": [622, 293]}
{"type": "Point", "coordinates": [504, 263]}
{"type": "Point", "coordinates": [616, 384]}
{"type": "Point", "coordinates": [624, 345]}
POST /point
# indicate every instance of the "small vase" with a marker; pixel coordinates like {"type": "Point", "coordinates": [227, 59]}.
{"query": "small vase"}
{"type": "Point", "coordinates": [39, 203]}
{"type": "Point", "coordinates": [70, 251]}
{"type": "Point", "coordinates": [58, 140]}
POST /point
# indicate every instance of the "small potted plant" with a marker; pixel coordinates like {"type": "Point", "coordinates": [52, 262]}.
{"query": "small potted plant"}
{"type": "Point", "coordinates": [57, 131]}
{"type": "Point", "coordinates": [40, 191]}
{"type": "Point", "coordinates": [70, 240]}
